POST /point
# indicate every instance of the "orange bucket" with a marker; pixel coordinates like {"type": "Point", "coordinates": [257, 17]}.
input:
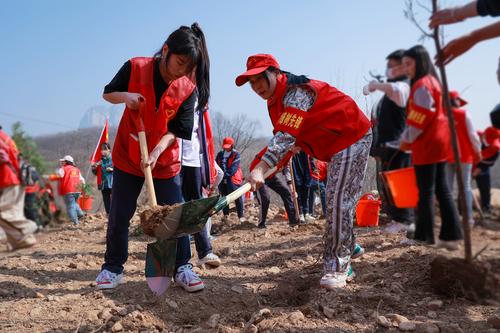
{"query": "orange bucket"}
{"type": "Point", "coordinates": [85, 203]}
{"type": "Point", "coordinates": [402, 186]}
{"type": "Point", "coordinates": [367, 212]}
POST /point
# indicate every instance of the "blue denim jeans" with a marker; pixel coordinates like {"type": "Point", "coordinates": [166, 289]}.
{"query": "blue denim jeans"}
{"type": "Point", "coordinates": [467, 180]}
{"type": "Point", "coordinates": [72, 208]}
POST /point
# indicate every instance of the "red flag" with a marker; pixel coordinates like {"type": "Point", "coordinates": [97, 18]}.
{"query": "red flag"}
{"type": "Point", "coordinates": [96, 157]}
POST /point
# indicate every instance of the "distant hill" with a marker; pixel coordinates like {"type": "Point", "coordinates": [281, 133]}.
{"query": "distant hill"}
{"type": "Point", "coordinates": [95, 116]}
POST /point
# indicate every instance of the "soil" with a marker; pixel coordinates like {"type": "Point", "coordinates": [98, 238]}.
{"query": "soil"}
{"type": "Point", "coordinates": [268, 282]}
{"type": "Point", "coordinates": [153, 217]}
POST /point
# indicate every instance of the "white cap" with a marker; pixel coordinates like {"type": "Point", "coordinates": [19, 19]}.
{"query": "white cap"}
{"type": "Point", "coordinates": [67, 158]}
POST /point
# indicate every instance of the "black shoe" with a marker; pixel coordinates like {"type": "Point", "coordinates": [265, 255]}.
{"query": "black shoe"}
{"type": "Point", "coordinates": [261, 226]}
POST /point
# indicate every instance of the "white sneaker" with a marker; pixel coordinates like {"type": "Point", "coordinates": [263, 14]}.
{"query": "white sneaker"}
{"type": "Point", "coordinates": [449, 245]}
{"type": "Point", "coordinates": [335, 280]}
{"type": "Point", "coordinates": [108, 280]}
{"type": "Point", "coordinates": [302, 219]}
{"type": "Point", "coordinates": [309, 218]}
{"type": "Point", "coordinates": [188, 279]}
{"type": "Point", "coordinates": [395, 227]}
{"type": "Point", "coordinates": [242, 219]}
{"type": "Point", "coordinates": [210, 259]}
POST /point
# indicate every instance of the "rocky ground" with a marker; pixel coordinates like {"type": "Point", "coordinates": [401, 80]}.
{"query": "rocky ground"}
{"type": "Point", "coordinates": [268, 283]}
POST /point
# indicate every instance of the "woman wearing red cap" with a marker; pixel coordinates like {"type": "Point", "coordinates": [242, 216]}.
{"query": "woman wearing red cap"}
{"type": "Point", "coordinates": [170, 98]}
{"type": "Point", "coordinates": [229, 161]}
{"type": "Point", "coordinates": [328, 125]}
{"type": "Point", "coordinates": [490, 144]}
{"type": "Point", "coordinates": [469, 148]}
{"type": "Point", "coordinates": [428, 137]}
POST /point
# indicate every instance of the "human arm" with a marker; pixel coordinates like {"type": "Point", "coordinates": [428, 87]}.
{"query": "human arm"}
{"type": "Point", "coordinates": [424, 110]}
{"type": "Point", "coordinates": [462, 44]}
{"type": "Point", "coordinates": [398, 92]}
{"type": "Point", "coordinates": [453, 14]}
{"type": "Point", "coordinates": [163, 144]}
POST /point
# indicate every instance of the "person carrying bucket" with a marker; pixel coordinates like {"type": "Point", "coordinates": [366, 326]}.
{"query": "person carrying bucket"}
{"type": "Point", "coordinates": [170, 97]}
{"type": "Point", "coordinates": [327, 124]}
{"type": "Point", "coordinates": [427, 136]}
{"type": "Point", "coordinates": [469, 148]}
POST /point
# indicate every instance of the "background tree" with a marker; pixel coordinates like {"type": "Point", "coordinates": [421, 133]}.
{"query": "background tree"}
{"type": "Point", "coordinates": [28, 147]}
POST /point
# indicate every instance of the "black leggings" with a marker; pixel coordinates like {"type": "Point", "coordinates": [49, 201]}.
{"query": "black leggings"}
{"type": "Point", "coordinates": [432, 179]}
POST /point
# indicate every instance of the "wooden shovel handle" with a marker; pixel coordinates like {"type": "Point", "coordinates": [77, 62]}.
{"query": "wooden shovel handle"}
{"type": "Point", "coordinates": [246, 187]}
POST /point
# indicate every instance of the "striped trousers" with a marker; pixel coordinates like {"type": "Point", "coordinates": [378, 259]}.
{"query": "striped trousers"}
{"type": "Point", "coordinates": [346, 172]}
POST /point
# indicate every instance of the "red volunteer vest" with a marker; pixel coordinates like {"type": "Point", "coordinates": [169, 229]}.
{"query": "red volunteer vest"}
{"type": "Point", "coordinates": [9, 172]}
{"type": "Point", "coordinates": [332, 124]}
{"type": "Point", "coordinates": [126, 152]}
{"type": "Point", "coordinates": [237, 178]}
{"type": "Point", "coordinates": [465, 149]}
{"type": "Point", "coordinates": [209, 136]}
{"type": "Point", "coordinates": [433, 144]}
{"type": "Point", "coordinates": [70, 183]}
{"type": "Point", "coordinates": [32, 189]}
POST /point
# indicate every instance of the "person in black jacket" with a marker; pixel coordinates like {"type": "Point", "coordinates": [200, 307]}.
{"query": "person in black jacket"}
{"type": "Point", "coordinates": [389, 122]}
{"type": "Point", "coordinates": [229, 161]}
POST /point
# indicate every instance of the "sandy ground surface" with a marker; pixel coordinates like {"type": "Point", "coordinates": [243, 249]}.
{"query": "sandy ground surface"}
{"type": "Point", "coordinates": [269, 282]}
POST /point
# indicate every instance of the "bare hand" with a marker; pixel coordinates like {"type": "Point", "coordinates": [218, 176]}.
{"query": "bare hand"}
{"type": "Point", "coordinates": [256, 179]}
{"type": "Point", "coordinates": [152, 158]}
{"type": "Point", "coordinates": [456, 48]}
{"type": "Point", "coordinates": [445, 16]}
{"type": "Point", "coordinates": [133, 100]}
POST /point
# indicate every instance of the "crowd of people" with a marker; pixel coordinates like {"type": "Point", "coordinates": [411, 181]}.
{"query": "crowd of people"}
{"type": "Point", "coordinates": [321, 144]}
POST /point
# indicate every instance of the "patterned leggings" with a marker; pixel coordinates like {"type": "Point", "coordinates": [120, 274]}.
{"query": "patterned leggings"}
{"type": "Point", "coordinates": [346, 172]}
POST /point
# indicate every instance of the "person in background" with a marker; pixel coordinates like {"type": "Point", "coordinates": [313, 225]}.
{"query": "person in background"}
{"type": "Point", "coordinates": [490, 144]}
{"type": "Point", "coordinates": [280, 183]}
{"type": "Point", "coordinates": [390, 122]}
{"type": "Point", "coordinates": [31, 205]}
{"type": "Point", "coordinates": [70, 180]}
{"type": "Point", "coordinates": [303, 180]}
{"type": "Point", "coordinates": [427, 136]}
{"type": "Point", "coordinates": [318, 182]}
{"type": "Point", "coordinates": [228, 160]}
{"type": "Point", "coordinates": [18, 229]}
{"type": "Point", "coordinates": [469, 148]}
{"type": "Point", "coordinates": [197, 172]}
{"type": "Point", "coordinates": [105, 175]}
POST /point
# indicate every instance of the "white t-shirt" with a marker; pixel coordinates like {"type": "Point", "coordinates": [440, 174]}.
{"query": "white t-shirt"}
{"type": "Point", "coordinates": [191, 149]}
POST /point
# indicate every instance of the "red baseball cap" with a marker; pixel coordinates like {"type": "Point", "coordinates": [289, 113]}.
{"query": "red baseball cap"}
{"type": "Point", "coordinates": [257, 64]}
{"type": "Point", "coordinates": [227, 142]}
{"type": "Point", "coordinates": [454, 95]}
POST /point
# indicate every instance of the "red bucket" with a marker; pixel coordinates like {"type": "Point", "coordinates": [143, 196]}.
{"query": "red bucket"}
{"type": "Point", "coordinates": [402, 185]}
{"type": "Point", "coordinates": [367, 212]}
{"type": "Point", "coordinates": [85, 203]}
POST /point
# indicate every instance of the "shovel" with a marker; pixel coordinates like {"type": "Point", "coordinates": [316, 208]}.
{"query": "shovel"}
{"type": "Point", "coordinates": [185, 219]}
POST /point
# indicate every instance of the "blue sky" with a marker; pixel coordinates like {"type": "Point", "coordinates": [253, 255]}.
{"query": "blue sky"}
{"type": "Point", "coordinates": [58, 55]}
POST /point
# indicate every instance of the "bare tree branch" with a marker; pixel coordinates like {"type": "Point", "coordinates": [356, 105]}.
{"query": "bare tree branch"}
{"type": "Point", "coordinates": [410, 14]}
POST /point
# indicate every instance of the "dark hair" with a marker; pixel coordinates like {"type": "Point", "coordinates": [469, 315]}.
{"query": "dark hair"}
{"type": "Point", "coordinates": [190, 41]}
{"type": "Point", "coordinates": [291, 78]}
{"type": "Point", "coordinates": [423, 62]}
{"type": "Point", "coordinates": [105, 145]}
{"type": "Point", "coordinates": [396, 55]}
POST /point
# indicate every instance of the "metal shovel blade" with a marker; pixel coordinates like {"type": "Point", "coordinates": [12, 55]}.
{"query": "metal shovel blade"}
{"type": "Point", "coordinates": [160, 264]}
